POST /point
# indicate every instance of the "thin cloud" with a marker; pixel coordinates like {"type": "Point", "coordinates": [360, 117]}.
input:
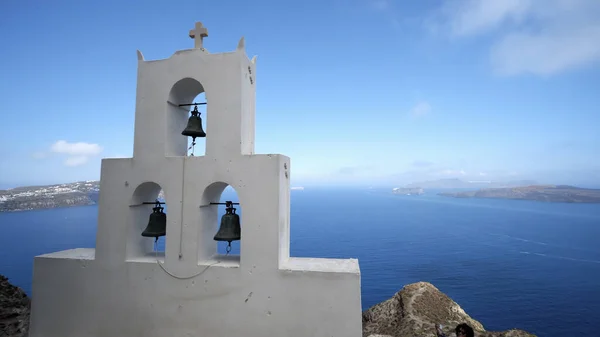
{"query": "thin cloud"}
{"type": "Point", "coordinates": [76, 149]}
{"type": "Point", "coordinates": [77, 153]}
{"type": "Point", "coordinates": [380, 5]}
{"type": "Point", "coordinates": [388, 10]}
{"type": "Point", "coordinates": [540, 37]}
{"type": "Point", "coordinates": [450, 173]}
{"type": "Point", "coordinates": [420, 109]}
{"type": "Point", "coordinates": [117, 156]}
{"type": "Point", "coordinates": [546, 53]}
{"type": "Point", "coordinates": [39, 155]}
{"type": "Point", "coordinates": [352, 170]}
{"type": "Point", "coordinates": [422, 163]}
{"type": "Point", "coordinates": [475, 17]}
{"type": "Point", "coordinates": [76, 161]}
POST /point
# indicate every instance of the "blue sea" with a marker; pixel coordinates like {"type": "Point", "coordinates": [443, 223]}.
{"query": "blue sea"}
{"type": "Point", "coordinates": [509, 264]}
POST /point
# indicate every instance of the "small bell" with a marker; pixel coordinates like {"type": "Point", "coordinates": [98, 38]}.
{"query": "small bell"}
{"type": "Point", "coordinates": [230, 229]}
{"type": "Point", "coordinates": [194, 125]}
{"type": "Point", "coordinates": [157, 225]}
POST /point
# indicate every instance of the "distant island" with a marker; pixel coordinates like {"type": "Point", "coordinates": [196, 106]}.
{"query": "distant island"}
{"type": "Point", "coordinates": [458, 183]}
{"type": "Point", "coordinates": [547, 193]}
{"type": "Point", "coordinates": [408, 190]}
{"type": "Point", "coordinates": [79, 193]}
{"type": "Point", "coordinates": [83, 193]}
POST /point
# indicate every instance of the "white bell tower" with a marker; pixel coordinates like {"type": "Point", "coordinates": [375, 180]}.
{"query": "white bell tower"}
{"type": "Point", "coordinates": [125, 288]}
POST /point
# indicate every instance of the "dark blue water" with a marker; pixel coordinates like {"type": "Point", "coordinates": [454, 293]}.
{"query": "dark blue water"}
{"type": "Point", "coordinates": [531, 265]}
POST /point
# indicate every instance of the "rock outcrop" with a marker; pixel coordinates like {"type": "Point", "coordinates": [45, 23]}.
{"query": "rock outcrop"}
{"type": "Point", "coordinates": [414, 311]}
{"type": "Point", "coordinates": [14, 310]}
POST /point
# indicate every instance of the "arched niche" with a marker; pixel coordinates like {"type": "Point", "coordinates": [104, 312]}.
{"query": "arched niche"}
{"type": "Point", "coordinates": [139, 247]}
{"type": "Point", "coordinates": [184, 91]}
{"type": "Point", "coordinates": [210, 221]}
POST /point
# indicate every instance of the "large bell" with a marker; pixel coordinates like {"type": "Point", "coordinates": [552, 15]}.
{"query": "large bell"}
{"type": "Point", "coordinates": [157, 225]}
{"type": "Point", "coordinates": [194, 125]}
{"type": "Point", "coordinates": [230, 229]}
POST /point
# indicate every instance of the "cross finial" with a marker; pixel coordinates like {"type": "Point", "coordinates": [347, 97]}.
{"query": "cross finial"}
{"type": "Point", "coordinates": [198, 33]}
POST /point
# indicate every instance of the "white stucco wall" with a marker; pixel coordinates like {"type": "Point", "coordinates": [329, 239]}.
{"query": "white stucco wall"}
{"type": "Point", "coordinates": [122, 288]}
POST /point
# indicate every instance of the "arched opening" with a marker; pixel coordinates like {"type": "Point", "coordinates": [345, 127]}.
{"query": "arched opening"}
{"type": "Point", "coordinates": [215, 199]}
{"type": "Point", "coordinates": [179, 107]}
{"type": "Point", "coordinates": [142, 220]}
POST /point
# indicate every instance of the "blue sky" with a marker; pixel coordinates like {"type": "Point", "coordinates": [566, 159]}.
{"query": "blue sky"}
{"type": "Point", "coordinates": [364, 92]}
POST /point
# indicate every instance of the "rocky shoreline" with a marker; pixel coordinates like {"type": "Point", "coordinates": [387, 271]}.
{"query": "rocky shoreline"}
{"type": "Point", "coordinates": [14, 310]}
{"type": "Point", "coordinates": [411, 312]}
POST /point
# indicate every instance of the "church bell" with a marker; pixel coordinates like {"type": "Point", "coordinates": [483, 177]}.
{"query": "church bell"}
{"type": "Point", "coordinates": [230, 229]}
{"type": "Point", "coordinates": [157, 225]}
{"type": "Point", "coordinates": [194, 125]}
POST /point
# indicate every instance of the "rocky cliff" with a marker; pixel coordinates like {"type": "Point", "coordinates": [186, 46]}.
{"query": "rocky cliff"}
{"type": "Point", "coordinates": [414, 311]}
{"type": "Point", "coordinates": [14, 310]}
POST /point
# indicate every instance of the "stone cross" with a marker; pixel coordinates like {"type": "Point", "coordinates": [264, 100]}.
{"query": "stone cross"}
{"type": "Point", "coordinates": [198, 34]}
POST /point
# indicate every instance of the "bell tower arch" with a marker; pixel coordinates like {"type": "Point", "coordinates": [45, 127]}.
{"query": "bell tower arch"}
{"type": "Point", "coordinates": [177, 114]}
{"type": "Point", "coordinates": [228, 81]}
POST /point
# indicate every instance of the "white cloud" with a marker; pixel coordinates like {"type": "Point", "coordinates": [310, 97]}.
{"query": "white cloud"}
{"type": "Point", "coordinates": [77, 153]}
{"type": "Point", "coordinates": [76, 161]}
{"type": "Point", "coordinates": [76, 149]}
{"type": "Point", "coordinates": [541, 37]}
{"type": "Point", "coordinates": [546, 53]}
{"type": "Point", "coordinates": [420, 109]}
{"type": "Point", "coordinates": [472, 17]}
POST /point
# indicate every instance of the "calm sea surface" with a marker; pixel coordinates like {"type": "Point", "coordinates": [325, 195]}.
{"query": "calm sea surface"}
{"type": "Point", "coordinates": [509, 264]}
